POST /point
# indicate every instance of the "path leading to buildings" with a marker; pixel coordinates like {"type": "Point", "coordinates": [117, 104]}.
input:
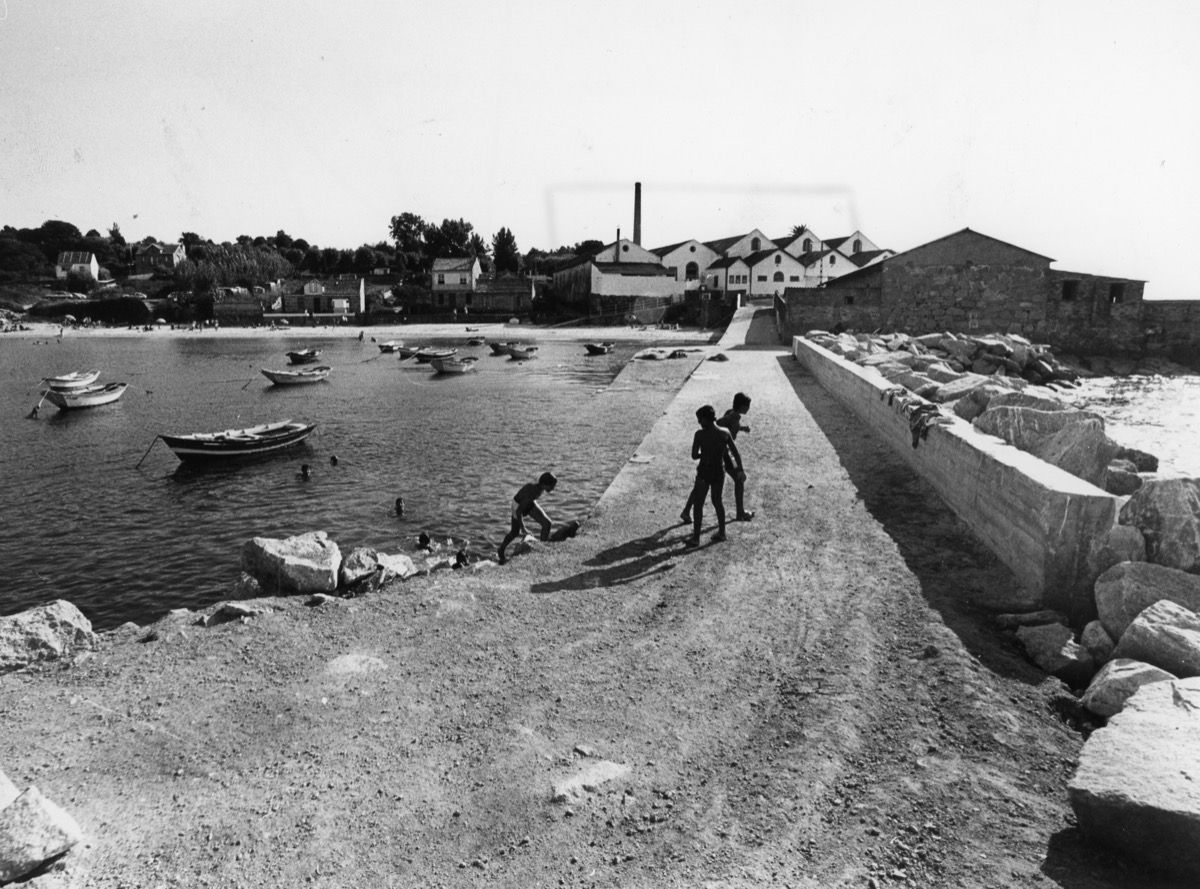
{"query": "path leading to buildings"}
{"type": "Point", "coordinates": [814, 702]}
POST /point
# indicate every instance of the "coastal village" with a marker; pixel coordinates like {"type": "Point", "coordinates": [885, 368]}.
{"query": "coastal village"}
{"type": "Point", "coordinates": [958, 645]}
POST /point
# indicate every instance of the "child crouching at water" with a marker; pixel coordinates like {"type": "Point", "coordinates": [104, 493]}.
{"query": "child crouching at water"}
{"type": "Point", "coordinates": [525, 504]}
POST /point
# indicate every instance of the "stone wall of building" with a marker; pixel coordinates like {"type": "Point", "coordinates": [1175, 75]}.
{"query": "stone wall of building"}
{"type": "Point", "coordinates": [1172, 328]}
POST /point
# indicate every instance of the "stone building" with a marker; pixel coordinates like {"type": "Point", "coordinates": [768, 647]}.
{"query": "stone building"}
{"type": "Point", "coordinates": [968, 281]}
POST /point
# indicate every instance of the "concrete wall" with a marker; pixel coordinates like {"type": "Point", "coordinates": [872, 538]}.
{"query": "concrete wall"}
{"type": "Point", "coordinates": [1038, 519]}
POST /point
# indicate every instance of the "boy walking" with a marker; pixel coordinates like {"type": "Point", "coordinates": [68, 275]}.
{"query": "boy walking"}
{"type": "Point", "coordinates": [525, 504]}
{"type": "Point", "coordinates": [713, 446]}
{"type": "Point", "coordinates": [732, 420]}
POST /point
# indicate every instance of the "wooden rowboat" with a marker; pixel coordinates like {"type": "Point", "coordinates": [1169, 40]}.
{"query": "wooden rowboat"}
{"type": "Point", "coordinates": [500, 348]}
{"type": "Point", "coordinates": [236, 443]}
{"type": "Point", "coordinates": [88, 396]}
{"type": "Point", "coordinates": [304, 356]}
{"type": "Point", "coordinates": [522, 353]}
{"type": "Point", "coordinates": [80, 379]}
{"type": "Point", "coordinates": [454, 365]}
{"type": "Point", "coordinates": [598, 348]}
{"type": "Point", "coordinates": [292, 377]}
{"type": "Point", "coordinates": [425, 356]}
{"type": "Point", "coordinates": [389, 346]}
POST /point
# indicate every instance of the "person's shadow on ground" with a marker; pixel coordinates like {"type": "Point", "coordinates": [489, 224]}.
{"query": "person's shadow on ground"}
{"type": "Point", "coordinates": [630, 561]}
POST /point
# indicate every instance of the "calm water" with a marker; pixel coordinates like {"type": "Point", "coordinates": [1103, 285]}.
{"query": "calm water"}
{"type": "Point", "coordinates": [82, 524]}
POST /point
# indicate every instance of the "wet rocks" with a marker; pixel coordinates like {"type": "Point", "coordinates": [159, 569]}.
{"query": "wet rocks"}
{"type": "Point", "coordinates": [43, 633]}
{"type": "Point", "coordinates": [306, 563]}
{"type": "Point", "coordinates": [1133, 789]}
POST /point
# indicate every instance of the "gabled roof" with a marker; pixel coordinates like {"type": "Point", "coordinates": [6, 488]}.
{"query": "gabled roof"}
{"type": "Point", "coordinates": [722, 244]}
{"type": "Point", "coordinates": [963, 231]}
{"type": "Point", "coordinates": [835, 243]}
{"type": "Point", "coordinates": [861, 259]}
{"type": "Point", "coordinates": [755, 258]}
{"type": "Point", "coordinates": [75, 257]}
{"type": "Point", "coordinates": [807, 259]}
{"type": "Point", "coordinates": [726, 261]}
{"type": "Point", "coordinates": [454, 264]}
{"type": "Point", "coordinates": [663, 251]}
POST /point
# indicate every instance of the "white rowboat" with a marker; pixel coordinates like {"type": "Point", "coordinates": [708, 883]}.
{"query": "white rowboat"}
{"type": "Point", "coordinates": [292, 377]}
{"type": "Point", "coordinates": [81, 379]}
{"type": "Point", "coordinates": [88, 396]}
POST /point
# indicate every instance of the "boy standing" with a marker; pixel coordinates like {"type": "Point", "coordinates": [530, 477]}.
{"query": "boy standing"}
{"type": "Point", "coordinates": [525, 504]}
{"type": "Point", "coordinates": [712, 446]}
{"type": "Point", "coordinates": [732, 420]}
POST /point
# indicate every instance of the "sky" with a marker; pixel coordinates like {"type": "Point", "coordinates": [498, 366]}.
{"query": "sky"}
{"type": "Point", "coordinates": [1068, 128]}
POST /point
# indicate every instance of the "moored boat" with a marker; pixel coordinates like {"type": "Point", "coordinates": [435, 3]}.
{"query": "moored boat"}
{"type": "Point", "coordinates": [390, 346]}
{"type": "Point", "coordinates": [500, 348]}
{"type": "Point", "coordinates": [425, 356]}
{"type": "Point", "coordinates": [476, 341]}
{"type": "Point", "coordinates": [304, 356]}
{"type": "Point", "coordinates": [292, 377]}
{"type": "Point", "coordinates": [598, 348]}
{"type": "Point", "coordinates": [522, 353]}
{"type": "Point", "coordinates": [80, 379]}
{"type": "Point", "coordinates": [451, 365]}
{"type": "Point", "coordinates": [406, 351]}
{"type": "Point", "coordinates": [88, 396]}
{"type": "Point", "coordinates": [234, 443]}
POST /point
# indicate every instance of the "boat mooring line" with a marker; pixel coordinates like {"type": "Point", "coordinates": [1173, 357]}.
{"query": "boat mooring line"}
{"type": "Point", "coordinates": [147, 454]}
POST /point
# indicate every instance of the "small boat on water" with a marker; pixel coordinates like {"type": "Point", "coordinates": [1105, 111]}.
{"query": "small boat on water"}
{"type": "Point", "coordinates": [476, 341]}
{"type": "Point", "coordinates": [292, 377]}
{"type": "Point", "coordinates": [425, 356]}
{"type": "Point", "coordinates": [233, 443]}
{"type": "Point", "coordinates": [406, 351]}
{"type": "Point", "coordinates": [390, 346]}
{"type": "Point", "coordinates": [522, 353]}
{"type": "Point", "coordinates": [453, 365]}
{"type": "Point", "coordinates": [304, 356]}
{"type": "Point", "coordinates": [88, 396]}
{"type": "Point", "coordinates": [598, 348]}
{"type": "Point", "coordinates": [500, 348]}
{"type": "Point", "coordinates": [80, 379]}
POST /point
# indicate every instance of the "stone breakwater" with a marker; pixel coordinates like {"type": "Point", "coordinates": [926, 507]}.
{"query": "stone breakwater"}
{"type": "Point", "coordinates": [1131, 645]}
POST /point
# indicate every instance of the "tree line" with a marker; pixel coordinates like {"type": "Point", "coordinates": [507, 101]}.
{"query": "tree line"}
{"type": "Point", "coordinates": [30, 253]}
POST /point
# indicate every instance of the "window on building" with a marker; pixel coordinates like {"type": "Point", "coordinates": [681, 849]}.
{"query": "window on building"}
{"type": "Point", "coordinates": [794, 278]}
{"type": "Point", "coordinates": [762, 277]}
{"type": "Point", "coordinates": [441, 278]}
{"type": "Point", "coordinates": [467, 299]}
{"type": "Point", "coordinates": [755, 244]}
{"type": "Point", "coordinates": [833, 260]}
{"type": "Point", "coordinates": [1116, 293]}
{"type": "Point", "coordinates": [778, 277]}
{"type": "Point", "coordinates": [778, 258]}
{"type": "Point", "coordinates": [462, 279]}
{"type": "Point", "coordinates": [849, 301]}
{"type": "Point", "coordinates": [808, 245]}
{"type": "Point", "coordinates": [692, 248]}
{"type": "Point", "coordinates": [858, 245]}
{"type": "Point", "coordinates": [1070, 290]}
{"type": "Point", "coordinates": [691, 271]}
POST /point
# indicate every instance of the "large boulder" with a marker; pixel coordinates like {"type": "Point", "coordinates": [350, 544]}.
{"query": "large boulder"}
{"type": "Point", "coordinates": [1165, 635]}
{"type": "Point", "coordinates": [1053, 648]}
{"type": "Point", "coordinates": [976, 401]}
{"type": "Point", "coordinates": [1041, 402]}
{"type": "Point", "coordinates": [1133, 789]}
{"type": "Point", "coordinates": [43, 633]}
{"type": "Point", "coordinates": [1117, 682]}
{"type": "Point", "coordinates": [968, 382]}
{"type": "Point", "coordinates": [1167, 512]}
{"type": "Point", "coordinates": [306, 563]}
{"type": "Point", "coordinates": [1072, 440]}
{"type": "Point", "coordinates": [1126, 590]}
{"type": "Point", "coordinates": [361, 562]}
{"type": "Point", "coordinates": [1142, 462]}
{"type": "Point", "coordinates": [32, 831]}
{"type": "Point", "coordinates": [1122, 543]}
{"type": "Point", "coordinates": [1119, 481]}
{"type": "Point", "coordinates": [1096, 640]}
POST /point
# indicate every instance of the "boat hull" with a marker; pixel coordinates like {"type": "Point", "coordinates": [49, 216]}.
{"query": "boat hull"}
{"type": "Point", "coordinates": [522, 353]}
{"type": "Point", "coordinates": [598, 348]}
{"type": "Point", "coordinates": [297, 377]}
{"type": "Point", "coordinates": [91, 396]}
{"type": "Point", "coordinates": [78, 380]}
{"type": "Point", "coordinates": [427, 356]}
{"type": "Point", "coordinates": [307, 356]}
{"type": "Point", "coordinates": [233, 444]}
{"type": "Point", "coordinates": [453, 365]}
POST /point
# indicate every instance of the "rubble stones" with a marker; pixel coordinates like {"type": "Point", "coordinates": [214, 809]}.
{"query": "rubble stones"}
{"type": "Point", "coordinates": [306, 563]}
{"type": "Point", "coordinates": [1166, 635]}
{"type": "Point", "coordinates": [1054, 649]}
{"type": "Point", "coordinates": [1129, 791]}
{"type": "Point", "coordinates": [1167, 512]}
{"type": "Point", "coordinates": [1116, 682]}
{"type": "Point", "coordinates": [43, 633]}
{"type": "Point", "coordinates": [1126, 590]}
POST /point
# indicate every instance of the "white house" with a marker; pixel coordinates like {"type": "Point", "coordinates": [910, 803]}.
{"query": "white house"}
{"type": "Point", "coordinates": [687, 261]}
{"type": "Point", "coordinates": [772, 271]}
{"type": "Point", "coordinates": [741, 245]}
{"type": "Point", "coordinates": [455, 274]}
{"type": "Point", "coordinates": [619, 272]}
{"type": "Point", "coordinates": [729, 274]}
{"type": "Point", "coordinates": [803, 241]}
{"type": "Point", "coordinates": [79, 261]}
{"type": "Point", "coordinates": [852, 244]}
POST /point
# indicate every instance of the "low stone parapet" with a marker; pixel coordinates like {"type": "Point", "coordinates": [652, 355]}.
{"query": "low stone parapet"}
{"type": "Point", "coordinates": [1038, 519]}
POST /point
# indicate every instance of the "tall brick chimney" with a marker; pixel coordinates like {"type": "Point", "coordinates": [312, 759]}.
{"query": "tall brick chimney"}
{"type": "Point", "coordinates": [637, 213]}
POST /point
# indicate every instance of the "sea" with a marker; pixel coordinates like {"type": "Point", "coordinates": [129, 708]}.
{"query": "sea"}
{"type": "Point", "coordinates": [97, 511]}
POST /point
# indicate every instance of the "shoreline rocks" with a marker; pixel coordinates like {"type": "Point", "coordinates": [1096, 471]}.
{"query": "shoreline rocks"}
{"type": "Point", "coordinates": [46, 632]}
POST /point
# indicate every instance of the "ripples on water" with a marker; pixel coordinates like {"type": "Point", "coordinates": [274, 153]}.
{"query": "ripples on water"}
{"type": "Point", "coordinates": [1156, 414]}
{"type": "Point", "coordinates": [82, 524]}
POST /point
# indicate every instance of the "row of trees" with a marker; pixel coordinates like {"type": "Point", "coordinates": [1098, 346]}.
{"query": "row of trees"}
{"type": "Point", "coordinates": [30, 253]}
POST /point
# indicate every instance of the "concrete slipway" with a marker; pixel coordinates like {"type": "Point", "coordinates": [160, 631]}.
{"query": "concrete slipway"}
{"type": "Point", "coordinates": [821, 700]}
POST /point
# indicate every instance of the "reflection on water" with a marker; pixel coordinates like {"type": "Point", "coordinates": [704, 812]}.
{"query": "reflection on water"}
{"type": "Point", "coordinates": [81, 523]}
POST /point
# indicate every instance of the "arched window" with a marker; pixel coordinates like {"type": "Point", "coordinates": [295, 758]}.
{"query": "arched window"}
{"type": "Point", "coordinates": [755, 245]}
{"type": "Point", "coordinates": [778, 277]}
{"type": "Point", "coordinates": [808, 245]}
{"type": "Point", "coordinates": [858, 245]}
{"type": "Point", "coordinates": [778, 258]}
{"type": "Point", "coordinates": [691, 271]}
{"type": "Point", "coordinates": [833, 260]}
